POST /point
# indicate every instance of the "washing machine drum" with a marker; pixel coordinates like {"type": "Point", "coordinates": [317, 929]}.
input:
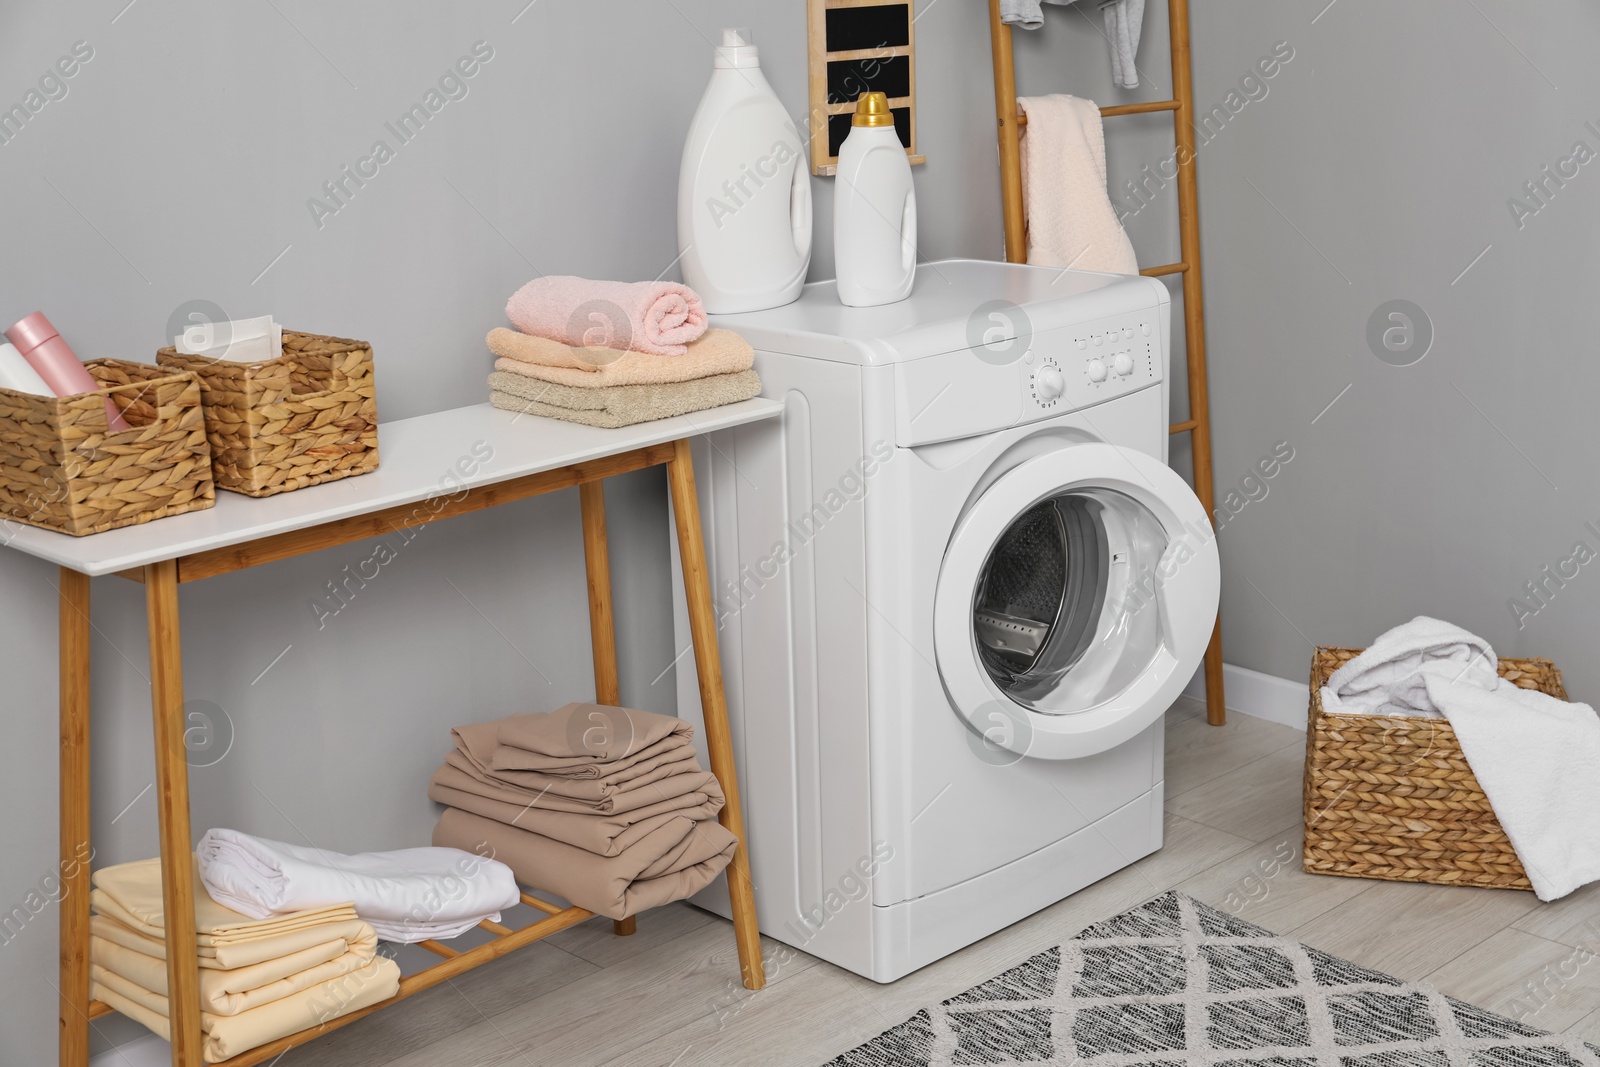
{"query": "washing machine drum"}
{"type": "Point", "coordinates": [1076, 599]}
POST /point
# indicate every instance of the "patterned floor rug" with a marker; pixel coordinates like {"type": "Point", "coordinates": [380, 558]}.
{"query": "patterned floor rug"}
{"type": "Point", "coordinates": [1176, 982]}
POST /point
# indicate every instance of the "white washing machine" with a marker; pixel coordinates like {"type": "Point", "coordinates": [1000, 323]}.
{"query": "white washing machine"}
{"type": "Point", "coordinates": [958, 587]}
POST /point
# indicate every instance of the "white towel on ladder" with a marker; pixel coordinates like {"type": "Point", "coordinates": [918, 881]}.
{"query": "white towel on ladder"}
{"type": "Point", "coordinates": [1071, 222]}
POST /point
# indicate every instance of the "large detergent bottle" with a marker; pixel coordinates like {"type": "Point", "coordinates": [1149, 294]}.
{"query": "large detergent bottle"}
{"type": "Point", "coordinates": [874, 210]}
{"type": "Point", "coordinates": [744, 192]}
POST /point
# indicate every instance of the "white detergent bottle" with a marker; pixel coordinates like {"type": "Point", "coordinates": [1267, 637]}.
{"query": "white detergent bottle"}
{"type": "Point", "coordinates": [744, 192]}
{"type": "Point", "coordinates": [874, 210]}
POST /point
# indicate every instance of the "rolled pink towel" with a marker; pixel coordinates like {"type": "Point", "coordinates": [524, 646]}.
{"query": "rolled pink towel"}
{"type": "Point", "coordinates": [655, 317]}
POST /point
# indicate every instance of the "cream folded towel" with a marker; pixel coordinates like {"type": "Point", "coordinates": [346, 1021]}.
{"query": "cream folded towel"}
{"type": "Point", "coordinates": [1071, 222]}
{"type": "Point", "coordinates": [236, 991]}
{"type": "Point", "coordinates": [351, 934]}
{"type": "Point", "coordinates": [619, 405]}
{"type": "Point", "coordinates": [718, 352]}
{"type": "Point", "coordinates": [230, 1035]}
{"type": "Point", "coordinates": [408, 895]}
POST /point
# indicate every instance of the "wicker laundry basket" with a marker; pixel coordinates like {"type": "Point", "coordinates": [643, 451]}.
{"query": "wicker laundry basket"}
{"type": "Point", "coordinates": [63, 469]}
{"type": "Point", "coordinates": [1392, 797]}
{"type": "Point", "coordinates": [307, 417]}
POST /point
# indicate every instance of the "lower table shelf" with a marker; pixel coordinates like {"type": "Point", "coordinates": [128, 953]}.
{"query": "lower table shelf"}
{"type": "Point", "coordinates": [454, 963]}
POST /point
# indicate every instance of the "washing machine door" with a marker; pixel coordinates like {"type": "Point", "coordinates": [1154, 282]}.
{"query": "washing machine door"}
{"type": "Point", "coordinates": [1075, 601]}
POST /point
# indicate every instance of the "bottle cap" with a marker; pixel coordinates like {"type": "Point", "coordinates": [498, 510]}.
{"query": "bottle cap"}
{"type": "Point", "coordinates": [31, 332]}
{"type": "Point", "coordinates": [872, 109]}
{"type": "Point", "coordinates": [737, 50]}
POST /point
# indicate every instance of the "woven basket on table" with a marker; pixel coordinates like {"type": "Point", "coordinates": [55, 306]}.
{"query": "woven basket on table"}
{"type": "Point", "coordinates": [62, 469]}
{"type": "Point", "coordinates": [1392, 797]}
{"type": "Point", "coordinates": [307, 417]}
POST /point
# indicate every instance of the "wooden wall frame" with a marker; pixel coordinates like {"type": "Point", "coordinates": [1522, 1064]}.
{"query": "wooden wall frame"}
{"type": "Point", "coordinates": [825, 105]}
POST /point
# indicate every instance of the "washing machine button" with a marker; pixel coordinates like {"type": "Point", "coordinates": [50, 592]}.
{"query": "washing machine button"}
{"type": "Point", "coordinates": [1050, 383]}
{"type": "Point", "coordinates": [1099, 339]}
{"type": "Point", "coordinates": [1097, 370]}
{"type": "Point", "coordinates": [1127, 331]}
{"type": "Point", "coordinates": [1145, 327]}
{"type": "Point", "coordinates": [1123, 364]}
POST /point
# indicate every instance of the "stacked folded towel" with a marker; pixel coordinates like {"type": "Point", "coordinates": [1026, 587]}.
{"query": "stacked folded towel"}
{"type": "Point", "coordinates": [259, 979]}
{"type": "Point", "coordinates": [613, 353]}
{"type": "Point", "coordinates": [410, 895]}
{"type": "Point", "coordinates": [606, 807]}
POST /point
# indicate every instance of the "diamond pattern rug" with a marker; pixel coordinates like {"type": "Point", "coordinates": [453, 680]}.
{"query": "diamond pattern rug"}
{"type": "Point", "coordinates": [1176, 982]}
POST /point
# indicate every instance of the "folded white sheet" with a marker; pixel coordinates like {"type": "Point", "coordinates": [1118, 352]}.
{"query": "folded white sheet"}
{"type": "Point", "coordinates": [410, 895]}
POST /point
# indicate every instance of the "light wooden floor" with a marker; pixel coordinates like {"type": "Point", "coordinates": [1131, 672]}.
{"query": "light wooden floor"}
{"type": "Point", "coordinates": [669, 995]}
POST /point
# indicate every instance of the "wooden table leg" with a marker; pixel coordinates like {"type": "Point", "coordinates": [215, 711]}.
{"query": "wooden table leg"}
{"type": "Point", "coordinates": [602, 623]}
{"type": "Point", "coordinates": [74, 660]}
{"type": "Point", "coordinates": [172, 806]}
{"type": "Point", "coordinates": [713, 703]}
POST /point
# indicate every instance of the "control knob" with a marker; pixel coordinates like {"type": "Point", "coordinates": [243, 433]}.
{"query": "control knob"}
{"type": "Point", "coordinates": [1097, 370]}
{"type": "Point", "coordinates": [1123, 364]}
{"type": "Point", "coordinates": [1050, 383]}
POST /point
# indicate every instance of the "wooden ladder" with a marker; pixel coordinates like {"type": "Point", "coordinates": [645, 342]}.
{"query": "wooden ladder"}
{"type": "Point", "coordinates": [1009, 123]}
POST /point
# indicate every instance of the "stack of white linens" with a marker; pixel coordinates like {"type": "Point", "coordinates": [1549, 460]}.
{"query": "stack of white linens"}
{"type": "Point", "coordinates": [606, 807]}
{"type": "Point", "coordinates": [259, 979]}
{"type": "Point", "coordinates": [615, 353]}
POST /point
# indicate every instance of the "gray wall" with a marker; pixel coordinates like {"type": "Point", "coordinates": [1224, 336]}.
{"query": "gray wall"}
{"type": "Point", "coordinates": [1378, 168]}
{"type": "Point", "coordinates": [177, 167]}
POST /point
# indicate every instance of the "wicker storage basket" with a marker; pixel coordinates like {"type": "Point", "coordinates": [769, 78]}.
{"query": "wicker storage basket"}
{"type": "Point", "coordinates": [307, 417]}
{"type": "Point", "coordinates": [1393, 798]}
{"type": "Point", "coordinates": [62, 469]}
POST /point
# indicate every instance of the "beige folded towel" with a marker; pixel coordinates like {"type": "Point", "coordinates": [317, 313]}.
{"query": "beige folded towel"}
{"type": "Point", "coordinates": [131, 893]}
{"type": "Point", "coordinates": [670, 863]}
{"type": "Point", "coordinates": [229, 1035]}
{"type": "Point", "coordinates": [593, 796]}
{"type": "Point", "coordinates": [621, 405]}
{"type": "Point", "coordinates": [236, 991]}
{"type": "Point", "coordinates": [714, 352]}
{"type": "Point", "coordinates": [602, 834]}
{"type": "Point", "coordinates": [582, 740]}
{"type": "Point", "coordinates": [352, 933]}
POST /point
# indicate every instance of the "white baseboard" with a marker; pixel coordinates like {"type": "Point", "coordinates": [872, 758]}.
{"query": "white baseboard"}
{"type": "Point", "coordinates": [1261, 696]}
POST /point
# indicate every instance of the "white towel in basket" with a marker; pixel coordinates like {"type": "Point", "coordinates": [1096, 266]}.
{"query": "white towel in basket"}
{"type": "Point", "coordinates": [1537, 758]}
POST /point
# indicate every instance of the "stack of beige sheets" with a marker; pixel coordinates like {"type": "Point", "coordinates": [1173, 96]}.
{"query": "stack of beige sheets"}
{"type": "Point", "coordinates": [612, 387]}
{"type": "Point", "coordinates": [606, 807]}
{"type": "Point", "coordinates": [259, 979]}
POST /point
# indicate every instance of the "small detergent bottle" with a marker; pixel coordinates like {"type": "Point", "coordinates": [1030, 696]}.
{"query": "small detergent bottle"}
{"type": "Point", "coordinates": [874, 210]}
{"type": "Point", "coordinates": [744, 191]}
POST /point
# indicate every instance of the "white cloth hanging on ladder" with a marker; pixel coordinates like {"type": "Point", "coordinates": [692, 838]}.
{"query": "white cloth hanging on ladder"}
{"type": "Point", "coordinates": [1071, 222]}
{"type": "Point", "coordinates": [1124, 19]}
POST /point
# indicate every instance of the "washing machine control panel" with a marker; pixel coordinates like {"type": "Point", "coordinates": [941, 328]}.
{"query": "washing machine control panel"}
{"type": "Point", "coordinates": [1076, 367]}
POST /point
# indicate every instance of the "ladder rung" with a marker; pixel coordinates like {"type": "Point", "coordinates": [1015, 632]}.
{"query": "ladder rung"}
{"type": "Point", "coordinates": [1138, 109]}
{"type": "Point", "coordinates": [495, 928]}
{"type": "Point", "coordinates": [1165, 268]}
{"type": "Point", "coordinates": [1122, 109]}
{"type": "Point", "coordinates": [1183, 427]}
